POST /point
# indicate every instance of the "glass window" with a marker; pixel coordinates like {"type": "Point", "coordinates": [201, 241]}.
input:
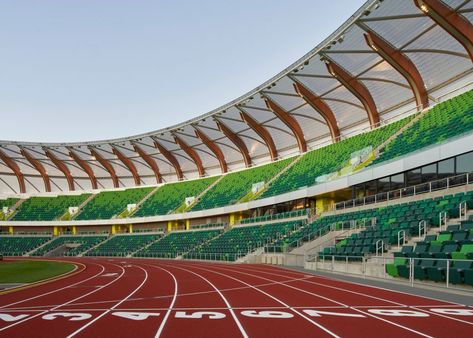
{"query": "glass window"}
{"type": "Point", "coordinates": [371, 188]}
{"type": "Point", "coordinates": [447, 168]}
{"type": "Point", "coordinates": [397, 181]}
{"type": "Point", "coordinates": [465, 163]}
{"type": "Point", "coordinates": [359, 191]}
{"type": "Point", "coordinates": [414, 177]}
{"type": "Point", "coordinates": [429, 173]}
{"type": "Point", "coordinates": [383, 184]}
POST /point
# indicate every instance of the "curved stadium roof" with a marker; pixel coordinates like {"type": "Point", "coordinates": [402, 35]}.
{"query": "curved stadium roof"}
{"type": "Point", "coordinates": [390, 57]}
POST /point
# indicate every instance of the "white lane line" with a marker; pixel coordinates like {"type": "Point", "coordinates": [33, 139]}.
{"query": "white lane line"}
{"type": "Point", "coordinates": [317, 295]}
{"type": "Point", "coordinates": [56, 290]}
{"type": "Point", "coordinates": [380, 298]}
{"type": "Point", "coordinates": [441, 315]}
{"type": "Point", "coordinates": [329, 286]}
{"type": "Point", "coordinates": [370, 286]}
{"type": "Point", "coordinates": [164, 296]}
{"type": "Point", "coordinates": [235, 318]}
{"type": "Point", "coordinates": [394, 323]}
{"type": "Point", "coordinates": [67, 303]}
{"type": "Point", "coordinates": [274, 298]}
{"type": "Point", "coordinates": [113, 307]}
{"type": "Point", "coordinates": [169, 309]}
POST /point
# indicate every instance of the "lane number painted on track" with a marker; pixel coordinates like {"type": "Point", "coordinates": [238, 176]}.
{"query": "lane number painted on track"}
{"type": "Point", "coordinates": [110, 274]}
{"type": "Point", "coordinates": [73, 317]}
{"type": "Point", "coordinates": [135, 315]}
{"type": "Point", "coordinates": [215, 315]}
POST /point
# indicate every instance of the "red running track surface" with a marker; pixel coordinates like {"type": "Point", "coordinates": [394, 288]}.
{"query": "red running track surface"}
{"type": "Point", "coordinates": [156, 298]}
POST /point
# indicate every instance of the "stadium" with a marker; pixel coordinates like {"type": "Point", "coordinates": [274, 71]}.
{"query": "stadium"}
{"type": "Point", "coordinates": [335, 199]}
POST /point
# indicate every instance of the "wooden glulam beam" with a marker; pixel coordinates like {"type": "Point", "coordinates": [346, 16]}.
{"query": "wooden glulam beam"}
{"type": "Point", "coordinates": [171, 158]}
{"type": "Point", "coordinates": [402, 64]}
{"type": "Point", "coordinates": [358, 89]}
{"type": "Point", "coordinates": [321, 107]}
{"type": "Point", "coordinates": [262, 132]}
{"type": "Point", "coordinates": [150, 161]}
{"type": "Point", "coordinates": [192, 154]}
{"type": "Point", "coordinates": [62, 167]}
{"type": "Point", "coordinates": [452, 22]}
{"type": "Point", "coordinates": [214, 148]}
{"type": "Point", "coordinates": [237, 141]}
{"type": "Point", "coordinates": [129, 164]}
{"type": "Point", "coordinates": [86, 167]}
{"type": "Point", "coordinates": [289, 121]}
{"type": "Point", "coordinates": [106, 165]}
{"type": "Point", "coordinates": [39, 167]}
{"type": "Point", "coordinates": [10, 163]}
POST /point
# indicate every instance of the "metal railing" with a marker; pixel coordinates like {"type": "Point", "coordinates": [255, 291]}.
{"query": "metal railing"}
{"type": "Point", "coordinates": [415, 190]}
{"type": "Point", "coordinates": [447, 273]}
{"type": "Point", "coordinates": [319, 232]}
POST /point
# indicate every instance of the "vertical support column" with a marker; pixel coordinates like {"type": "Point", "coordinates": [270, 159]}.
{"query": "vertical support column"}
{"type": "Point", "coordinates": [74, 230]}
{"type": "Point", "coordinates": [169, 226]}
{"type": "Point", "coordinates": [55, 231]}
{"type": "Point", "coordinates": [322, 203]}
{"type": "Point", "coordinates": [130, 228]}
{"type": "Point", "coordinates": [114, 229]}
{"type": "Point", "coordinates": [235, 217]}
{"type": "Point", "coordinates": [188, 224]}
{"type": "Point", "coordinates": [10, 230]}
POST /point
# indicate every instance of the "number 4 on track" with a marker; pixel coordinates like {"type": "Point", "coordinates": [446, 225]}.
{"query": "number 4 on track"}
{"type": "Point", "coordinates": [135, 315]}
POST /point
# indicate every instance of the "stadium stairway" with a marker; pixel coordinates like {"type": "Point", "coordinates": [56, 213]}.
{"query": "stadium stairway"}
{"type": "Point", "coordinates": [68, 245]}
{"type": "Point", "coordinates": [377, 152]}
{"type": "Point", "coordinates": [14, 208]}
{"type": "Point", "coordinates": [94, 247]}
{"type": "Point", "coordinates": [124, 245]}
{"type": "Point", "coordinates": [82, 205]}
{"type": "Point", "coordinates": [32, 252]}
{"type": "Point", "coordinates": [197, 247]}
{"type": "Point", "coordinates": [199, 196]}
{"type": "Point", "coordinates": [140, 203]}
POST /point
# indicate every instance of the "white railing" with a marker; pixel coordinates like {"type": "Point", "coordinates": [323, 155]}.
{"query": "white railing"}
{"type": "Point", "coordinates": [422, 228]}
{"type": "Point", "coordinates": [446, 273]}
{"type": "Point", "coordinates": [420, 189]}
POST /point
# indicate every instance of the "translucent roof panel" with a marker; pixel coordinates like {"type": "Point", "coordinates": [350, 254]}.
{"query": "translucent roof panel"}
{"type": "Point", "coordinates": [441, 60]}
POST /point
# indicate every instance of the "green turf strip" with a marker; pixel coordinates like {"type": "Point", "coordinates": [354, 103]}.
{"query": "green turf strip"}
{"type": "Point", "coordinates": [31, 271]}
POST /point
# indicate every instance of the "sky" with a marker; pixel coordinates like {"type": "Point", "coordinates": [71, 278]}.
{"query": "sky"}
{"type": "Point", "coordinates": [85, 70]}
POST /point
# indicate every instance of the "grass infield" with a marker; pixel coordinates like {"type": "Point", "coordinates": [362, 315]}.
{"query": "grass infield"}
{"type": "Point", "coordinates": [31, 271]}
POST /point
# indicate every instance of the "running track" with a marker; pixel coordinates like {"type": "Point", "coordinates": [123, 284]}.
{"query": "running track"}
{"type": "Point", "coordinates": [157, 298]}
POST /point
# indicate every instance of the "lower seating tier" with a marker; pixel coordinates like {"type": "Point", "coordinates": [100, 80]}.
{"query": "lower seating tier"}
{"type": "Point", "coordinates": [177, 243]}
{"type": "Point", "coordinates": [20, 245]}
{"type": "Point", "coordinates": [76, 244]}
{"type": "Point", "coordinates": [239, 241]}
{"type": "Point", "coordinates": [123, 245]}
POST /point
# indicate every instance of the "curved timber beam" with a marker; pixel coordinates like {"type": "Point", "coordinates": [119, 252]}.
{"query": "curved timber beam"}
{"type": "Point", "coordinates": [150, 161]}
{"type": "Point", "coordinates": [402, 64]}
{"type": "Point", "coordinates": [39, 167]}
{"type": "Point", "coordinates": [454, 23]}
{"type": "Point", "coordinates": [171, 158]}
{"type": "Point", "coordinates": [106, 165]}
{"type": "Point", "coordinates": [321, 107]}
{"type": "Point", "coordinates": [290, 122]}
{"type": "Point", "coordinates": [62, 167]}
{"type": "Point", "coordinates": [129, 164]}
{"type": "Point", "coordinates": [262, 132]}
{"type": "Point", "coordinates": [16, 170]}
{"type": "Point", "coordinates": [86, 167]}
{"type": "Point", "coordinates": [192, 153]}
{"type": "Point", "coordinates": [215, 149]}
{"type": "Point", "coordinates": [236, 141]}
{"type": "Point", "coordinates": [358, 89]}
